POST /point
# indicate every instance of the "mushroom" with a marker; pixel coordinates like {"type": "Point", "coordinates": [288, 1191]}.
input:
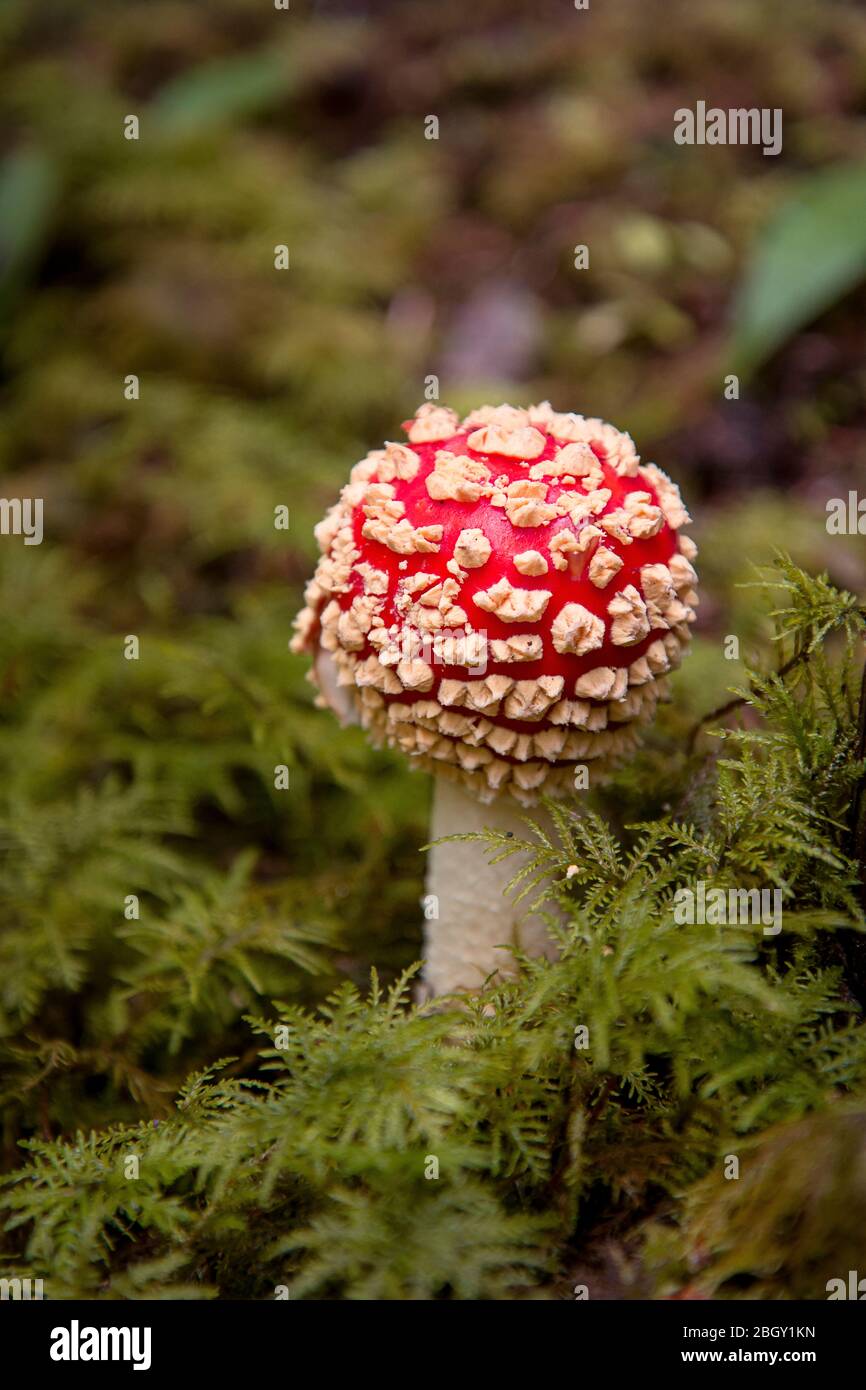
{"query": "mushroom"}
{"type": "Point", "coordinates": [501, 598]}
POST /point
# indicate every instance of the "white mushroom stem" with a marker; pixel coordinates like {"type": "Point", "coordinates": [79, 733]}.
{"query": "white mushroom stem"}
{"type": "Point", "coordinates": [336, 697]}
{"type": "Point", "coordinates": [469, 919]}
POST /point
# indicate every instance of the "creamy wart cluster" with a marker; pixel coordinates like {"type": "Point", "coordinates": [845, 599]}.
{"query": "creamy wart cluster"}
{"type": "Point", "coordinates": [503, 596]}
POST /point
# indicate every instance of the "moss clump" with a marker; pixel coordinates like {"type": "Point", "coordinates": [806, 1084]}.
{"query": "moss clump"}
{"type": "Point", "coordinates": [366, 1148]}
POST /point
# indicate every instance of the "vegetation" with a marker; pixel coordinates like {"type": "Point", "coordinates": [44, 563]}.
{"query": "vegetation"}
{"type": "Point", "coordinates": [305, 1160]}
{"type": "Point", "coordinates": [213, 1081]}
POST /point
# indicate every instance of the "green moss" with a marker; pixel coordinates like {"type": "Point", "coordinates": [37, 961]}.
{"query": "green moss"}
{"type": "Point", "coordinates": [307, 1159]}
{"type": "Point", "coordinates": [154, 778]}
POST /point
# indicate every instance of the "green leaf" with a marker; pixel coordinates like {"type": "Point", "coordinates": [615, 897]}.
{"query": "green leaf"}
{"type": "Point", "coordinates": [221, 91]}
{"type": "Point", "coordinates": [813, 251]}
{"type": "Point", "coordinates": [28, 195]}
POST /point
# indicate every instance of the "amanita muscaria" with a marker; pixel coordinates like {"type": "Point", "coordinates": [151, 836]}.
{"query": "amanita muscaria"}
{"type": "Point", "coordinates": [501, 599]}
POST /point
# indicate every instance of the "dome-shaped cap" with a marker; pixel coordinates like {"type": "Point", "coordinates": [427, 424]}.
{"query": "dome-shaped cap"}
{"type": "Point", "coordinates": [503, 596]}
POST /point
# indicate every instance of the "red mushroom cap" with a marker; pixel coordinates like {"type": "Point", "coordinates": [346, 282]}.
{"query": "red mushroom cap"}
{"type": "Point", "coordinates": [503, 597]}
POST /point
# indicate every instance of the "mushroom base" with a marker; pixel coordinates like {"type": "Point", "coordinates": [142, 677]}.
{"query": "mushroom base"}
{"type": "Point", "coordinates": [471, 923]}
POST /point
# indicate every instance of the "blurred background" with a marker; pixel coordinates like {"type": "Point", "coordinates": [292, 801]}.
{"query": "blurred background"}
{"type": "Point", "coordinates": [260, 387]}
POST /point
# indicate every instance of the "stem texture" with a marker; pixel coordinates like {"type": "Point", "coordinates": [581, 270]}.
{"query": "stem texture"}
{"type": "Point", "coordinates": [464, 943]}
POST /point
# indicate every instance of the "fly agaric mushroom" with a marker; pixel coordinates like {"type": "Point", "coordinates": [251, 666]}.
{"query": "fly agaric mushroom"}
{"type": "Point", "coordinates": [501, 599]}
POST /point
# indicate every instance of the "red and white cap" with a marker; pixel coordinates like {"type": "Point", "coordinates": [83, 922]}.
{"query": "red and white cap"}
{"type": "Point", "coordinates": [502, 597]}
